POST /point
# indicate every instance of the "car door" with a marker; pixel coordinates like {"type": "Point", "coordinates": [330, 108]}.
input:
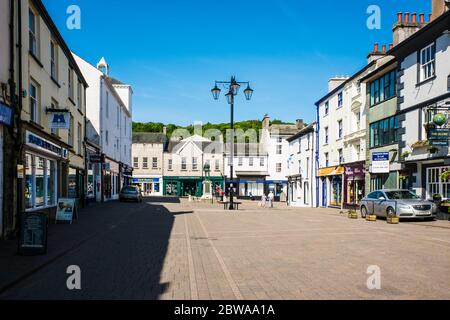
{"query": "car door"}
{"type": "Point", "coordinates": [370, 204]}
{"type": "Point", "coordinates": [380, 205]}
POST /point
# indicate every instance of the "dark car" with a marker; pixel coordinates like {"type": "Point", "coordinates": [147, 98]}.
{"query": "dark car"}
{"type": "Point", "coordinates": [130, 193]}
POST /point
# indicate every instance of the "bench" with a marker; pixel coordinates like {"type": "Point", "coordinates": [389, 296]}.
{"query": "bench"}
{"type": "Point", "coordinates": [226, 204]}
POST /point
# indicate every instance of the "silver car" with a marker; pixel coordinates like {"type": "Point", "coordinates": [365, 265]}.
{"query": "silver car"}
{"type": "Point", "coordinates": [130, 193]}
{"type": "Point", "coordinates": [403, 203]}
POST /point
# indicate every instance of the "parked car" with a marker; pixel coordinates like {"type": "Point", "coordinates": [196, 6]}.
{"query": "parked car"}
{"type": "Point", "coordinates": [403, 203]}
{"type": "Point", "coordinates": [129, 193]}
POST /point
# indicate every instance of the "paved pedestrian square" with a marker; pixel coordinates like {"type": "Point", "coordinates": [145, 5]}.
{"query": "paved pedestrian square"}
{"type": "Point", "coordinates": [163, 249]}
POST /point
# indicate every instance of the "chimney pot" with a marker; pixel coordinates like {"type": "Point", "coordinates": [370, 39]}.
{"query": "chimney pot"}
{"type": "Point", "coordinates": [391, 46]}
{"type": "Point", "coordinates": [406, 17]}
{"type": "Point", "coordinates": [375, 47]}
{"type": "Point", "coordinates": [422, 18]}
{"type": "Point", "coordinates": [383, 48]}
{"type": "Point", "coordinates": [414, 18]}
{"type": "Point", "coordinates": [431, 17]}
{"type": "Point", "coordinates": [399, 17]}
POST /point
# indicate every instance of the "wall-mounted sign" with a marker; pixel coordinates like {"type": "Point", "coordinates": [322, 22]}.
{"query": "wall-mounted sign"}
{"type": "Point", "coordinates": [20, 171]}
{"type": "Point", "coordinates": [380, 162]}
{"type": "Point", "coordinates": [65, 210]}
{"type": "Point", "coordinates": [45, 145]}
{"type": "Point", "coordinates": [59, 120]}
{"type": "Point", "coordinates": [439, 137]}
{"type": "Point", "coordinates": [95, 158]}
{"type": "Point", "coordinates": [5, 114]}
{"type": "Point", "coordinates": [33, 234]}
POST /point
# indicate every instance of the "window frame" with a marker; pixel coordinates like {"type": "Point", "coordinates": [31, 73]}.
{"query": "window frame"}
{"type": "Point", "coordinates": [431, 62]}
{"type": "Point", "coordinates": [34, 102]}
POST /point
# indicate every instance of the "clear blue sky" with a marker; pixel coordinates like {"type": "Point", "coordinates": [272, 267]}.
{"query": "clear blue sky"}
{"type": "Point", "coordinates": [172, 51]}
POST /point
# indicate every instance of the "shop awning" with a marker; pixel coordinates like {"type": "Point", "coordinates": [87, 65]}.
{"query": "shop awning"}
{"type": "Point", "coordinates": [333, 171]}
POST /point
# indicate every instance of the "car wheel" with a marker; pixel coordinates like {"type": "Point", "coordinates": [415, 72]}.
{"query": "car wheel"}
{"type": "Point", "coordinates": [390, 212]}
{"type": "Point", "coordinates": [363, 212]}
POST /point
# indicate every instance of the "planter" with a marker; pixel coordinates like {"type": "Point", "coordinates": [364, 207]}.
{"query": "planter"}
{"type": "Point", "coordinates": [353, 215]}
{"type": "Point", "coordinates": [371, 217]}
{"type": "Point", "coordinates": [393, 220]}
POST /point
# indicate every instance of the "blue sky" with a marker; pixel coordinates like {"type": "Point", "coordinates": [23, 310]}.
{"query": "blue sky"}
{"type": "Point", "coordinates": [172, 51]}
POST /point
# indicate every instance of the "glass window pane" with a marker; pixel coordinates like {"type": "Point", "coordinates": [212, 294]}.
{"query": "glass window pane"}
{"type": "Point", "coordinates": [28, 181]}
{"type": "Point", "coordinates": [40, 187]}
{"type": "Point", "coordinates": [51, 186]}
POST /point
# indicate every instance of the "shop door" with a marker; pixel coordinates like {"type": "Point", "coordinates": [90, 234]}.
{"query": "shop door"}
{"type": "Point", "coordinates": [148, 188]}
{"type": "Point", "coordinates": [324, 193]}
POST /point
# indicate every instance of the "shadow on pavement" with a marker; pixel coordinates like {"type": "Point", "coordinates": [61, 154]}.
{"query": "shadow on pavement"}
{"type": "Point", "coordinates": [162, 199]}
{"type": "Point", "coordinates": [119, 248]}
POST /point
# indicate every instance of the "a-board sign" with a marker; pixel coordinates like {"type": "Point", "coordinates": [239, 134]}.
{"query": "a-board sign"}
{"type": "Point", "coordinates": [65, 210]}
{"type": "Point", "coordinates": [33, 234]}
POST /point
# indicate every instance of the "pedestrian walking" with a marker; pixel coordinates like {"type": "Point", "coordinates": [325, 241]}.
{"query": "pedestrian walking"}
{"type": "Point", "coordinates": [271, 198]}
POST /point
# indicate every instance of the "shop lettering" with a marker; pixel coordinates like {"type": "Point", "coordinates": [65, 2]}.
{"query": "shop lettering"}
{"type": "Point", "coordinates": [44, 144]}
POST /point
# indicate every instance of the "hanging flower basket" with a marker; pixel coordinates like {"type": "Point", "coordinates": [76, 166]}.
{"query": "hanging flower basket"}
{"type": "Point", "coordinates": [445, 176]}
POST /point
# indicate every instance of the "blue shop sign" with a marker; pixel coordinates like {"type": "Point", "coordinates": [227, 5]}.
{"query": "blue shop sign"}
{"type": "Point", "coordinates": [44, 145]}
{"type": "Point", "coordinates": [380, 156]}
{"type": "Point", "coordinates": [5, 114]}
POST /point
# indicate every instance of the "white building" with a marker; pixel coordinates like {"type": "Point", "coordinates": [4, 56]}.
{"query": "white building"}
{"type": "Point", "coordinates": [302, 168]}
{"type": "Point", "coordinates": [274, 141]}
{"type": "Point", "coordinates": [109, 109]}
{"type": "Point", "coordinates": [148, 162]}
{"type": "Point", "coordinates": [250, 169]}
{"type": "Point", "coordinates": [184, 166]}
{"type": "Point", "coordinates": [424, 91]}
{"type": "Point", "coordinates": [341, 141]}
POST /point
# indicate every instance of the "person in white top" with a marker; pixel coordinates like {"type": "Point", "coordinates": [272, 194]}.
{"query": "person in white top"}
{"type": "Point", "coordinates": [271, 198]}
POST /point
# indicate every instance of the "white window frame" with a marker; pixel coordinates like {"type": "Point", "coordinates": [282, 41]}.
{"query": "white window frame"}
{"type": "Point", "coordinates": [154, 163]}
{"type": "Point", "coordinates": [145, 163]}
{"type": "Point", "coordinates": [34, 103]}
{"type": "Point", "coordinates": [54, 60]}
{"type": "Point", "coordinates": [136, 162]}
{"type": "Point", "coordinates": [279, 167]}
{"type": "Point", "coordinates": [33, 34]}
{"type": "Point", "coordinates": [427, 62]}
{"type": "Point", "coordinates": [33, 173]}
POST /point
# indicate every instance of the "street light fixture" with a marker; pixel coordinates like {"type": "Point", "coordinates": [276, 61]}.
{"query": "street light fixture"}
{"type": "Point", "coordinates": [233, 87]}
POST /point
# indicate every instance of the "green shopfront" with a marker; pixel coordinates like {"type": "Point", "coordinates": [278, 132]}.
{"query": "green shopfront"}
{"type": "Point", "coordinates": [188, 186]}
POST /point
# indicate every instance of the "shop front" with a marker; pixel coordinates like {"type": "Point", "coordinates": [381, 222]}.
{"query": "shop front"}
{"type": "Point", "coordinates": [279, 189]}
{"type": "Point", "coordinates": [332, 186]}
{"type": "Point", "coordinates": [354, 183]}
{"type": "Point", "coordinates": [188, 186]}
{"type": "Point", "coordinates": [149, 186]}
{"type": "Point", "coordinates": [126, 174]}
{"type": "Point", "coordinates": [94, 174]}
{"type": "Point", "coordinates": [5, 120]}
{"type": "Point", "coordinates": [45, 169]}
{"type": "Point", "coordinates": [111, 180]}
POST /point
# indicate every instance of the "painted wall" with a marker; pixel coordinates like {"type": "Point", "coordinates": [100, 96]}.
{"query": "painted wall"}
{"type": "Point", "coordinates": [149, 150]}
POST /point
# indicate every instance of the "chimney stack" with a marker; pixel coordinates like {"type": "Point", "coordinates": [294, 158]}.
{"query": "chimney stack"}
{"type": "Point", "coordinates": [335, 82]}
{"type": "Point", "coordinates": [266, 121]}
{"type": "Point", "coordinates": [399, 17]}
{"type": "Point", "coordinates": [422, 18]}
{"type": "Point", "coordinates": [300, 124]}
{"type": "Point", "coordinates": [391, 46]}
{"type": "Point", "coordinates": [376, 54]}
{"type": "Point", "coordinates": [404, 28]}
{"type": "Point", "coordinates": [438, 8]}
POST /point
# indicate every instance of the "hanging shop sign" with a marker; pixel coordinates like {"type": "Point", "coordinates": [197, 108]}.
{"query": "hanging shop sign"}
{"type": "Point", "coordinates": [59, 120]}
{"type": "Point", "coordinates": [37, 142]}
{"type": "Point", "coordinates": [5, 114]}
{"type": "Point", "coordinates": [380, 162]}
{"type": "Point", "coordinates": [65, 210]}
{"type": "Point", "coordinates": [95, 158]}
{"type": "Point", "coordinates": [33, 234]}
{"type": "Point", "coordinates": [439, 137]}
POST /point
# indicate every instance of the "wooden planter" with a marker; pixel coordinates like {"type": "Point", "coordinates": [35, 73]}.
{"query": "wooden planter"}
{"type": "Point", "coordinates": [393, 220]}
{"type": "Point", "coordinates": [353, 215]}
{"type": "Point", "coordinates": [371, 217]}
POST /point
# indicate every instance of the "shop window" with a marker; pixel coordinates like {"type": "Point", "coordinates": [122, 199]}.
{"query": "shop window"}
{"type": "Point", "coordinates": [40, 182]}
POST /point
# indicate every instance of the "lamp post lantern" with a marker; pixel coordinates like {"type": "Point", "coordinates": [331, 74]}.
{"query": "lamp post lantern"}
{"type": "Point", "coordinates": [233, 87]}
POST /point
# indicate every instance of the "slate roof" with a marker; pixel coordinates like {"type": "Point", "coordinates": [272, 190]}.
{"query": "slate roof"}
{"type": "Point", "coordinates": [149, 137]}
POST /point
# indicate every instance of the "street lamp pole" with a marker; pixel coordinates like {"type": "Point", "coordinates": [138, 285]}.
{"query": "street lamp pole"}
{"type": "Point", "coordinates": [233, 89]}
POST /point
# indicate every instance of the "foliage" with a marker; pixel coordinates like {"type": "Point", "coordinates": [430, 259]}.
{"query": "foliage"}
{"type": "Point", "coordinates": [222, 127]}
{"type": "Point", "coordinates": [445, 176]}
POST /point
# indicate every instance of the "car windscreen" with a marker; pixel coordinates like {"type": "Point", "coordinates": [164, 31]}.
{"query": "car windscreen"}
{"type": "Point", "coordinates": [129, 190]}
{"type": "Point", "coordinates": [400, 195]}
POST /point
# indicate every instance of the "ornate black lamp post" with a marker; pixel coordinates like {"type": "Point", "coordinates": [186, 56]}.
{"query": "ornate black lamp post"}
{"type": "Point", "coordinates": [233, 87]}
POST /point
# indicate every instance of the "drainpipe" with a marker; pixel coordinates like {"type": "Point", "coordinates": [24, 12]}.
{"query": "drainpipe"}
{"type": "Point", "coordinates": [317, 156]}
{"type": "Point", "coordinates": [19, 104]}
